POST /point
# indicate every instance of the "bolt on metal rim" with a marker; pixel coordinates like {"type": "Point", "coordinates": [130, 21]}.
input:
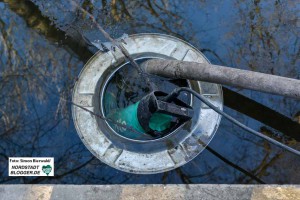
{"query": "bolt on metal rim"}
{"type": "Point", "coordinates": [96, 134]}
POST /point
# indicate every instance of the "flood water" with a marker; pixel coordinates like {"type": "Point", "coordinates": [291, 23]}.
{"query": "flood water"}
{"type": "Point", "coordinates": [39, 64]}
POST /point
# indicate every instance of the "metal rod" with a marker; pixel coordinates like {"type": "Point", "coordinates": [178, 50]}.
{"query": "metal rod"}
{"type": "Point", "coordinates": [225, 75]}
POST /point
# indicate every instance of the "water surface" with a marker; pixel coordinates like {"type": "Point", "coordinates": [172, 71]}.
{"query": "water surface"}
{"type": "Point", "coordinates": [39, 64]}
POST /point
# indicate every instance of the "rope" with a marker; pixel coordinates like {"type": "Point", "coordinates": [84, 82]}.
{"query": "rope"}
{"type": "Point", "coordinates": [52, 92]}
{"type": "Point", "coordinates": [123, 50]}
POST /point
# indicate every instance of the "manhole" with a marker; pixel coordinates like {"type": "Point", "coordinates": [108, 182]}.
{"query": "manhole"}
{"type": "Point", "coordinates": [107, 83]}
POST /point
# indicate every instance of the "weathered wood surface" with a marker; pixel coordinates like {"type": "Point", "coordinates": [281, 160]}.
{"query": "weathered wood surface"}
{"type": "Point", "coordinates": [225, 75]}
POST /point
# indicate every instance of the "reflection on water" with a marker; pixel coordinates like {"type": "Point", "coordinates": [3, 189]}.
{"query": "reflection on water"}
{"type": "Point", "coordinates": [38, 64]}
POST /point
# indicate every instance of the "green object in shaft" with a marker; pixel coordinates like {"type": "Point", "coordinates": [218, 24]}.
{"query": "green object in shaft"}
{"type": "Point", "coordinates": [128, 116]}
{"type": "Point", "coordinates": [160, 122]}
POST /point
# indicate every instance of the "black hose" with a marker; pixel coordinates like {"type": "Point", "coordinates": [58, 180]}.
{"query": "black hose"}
{"type": "Point", "coordinates": [204, 100]}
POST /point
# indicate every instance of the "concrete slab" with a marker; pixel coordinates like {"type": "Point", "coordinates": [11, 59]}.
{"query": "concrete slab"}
{"type": "Point", "coordinates": [150, 192]}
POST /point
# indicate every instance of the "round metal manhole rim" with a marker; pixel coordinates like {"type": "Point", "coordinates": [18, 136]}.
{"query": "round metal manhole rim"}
{"type": "Point", "coordinates": [104, 149]}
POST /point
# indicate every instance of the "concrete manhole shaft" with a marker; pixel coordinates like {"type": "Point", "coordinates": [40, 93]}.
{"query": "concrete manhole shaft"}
{"type": "Point", "coordinates": [143, 156]}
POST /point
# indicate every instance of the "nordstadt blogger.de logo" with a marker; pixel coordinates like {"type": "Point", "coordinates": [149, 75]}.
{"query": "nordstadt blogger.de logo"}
{"type": "Point", "coordinates": [31, 166]}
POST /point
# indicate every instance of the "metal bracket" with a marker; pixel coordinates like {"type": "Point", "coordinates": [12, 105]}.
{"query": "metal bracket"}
{"type": "Point", "coordinates": [153, 103]}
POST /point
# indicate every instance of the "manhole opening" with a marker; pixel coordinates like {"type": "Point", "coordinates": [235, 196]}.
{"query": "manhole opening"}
{"type": "Point", "coordinates": [108, 76]}
{"type": "Point", "coordinates": [123, 91]}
